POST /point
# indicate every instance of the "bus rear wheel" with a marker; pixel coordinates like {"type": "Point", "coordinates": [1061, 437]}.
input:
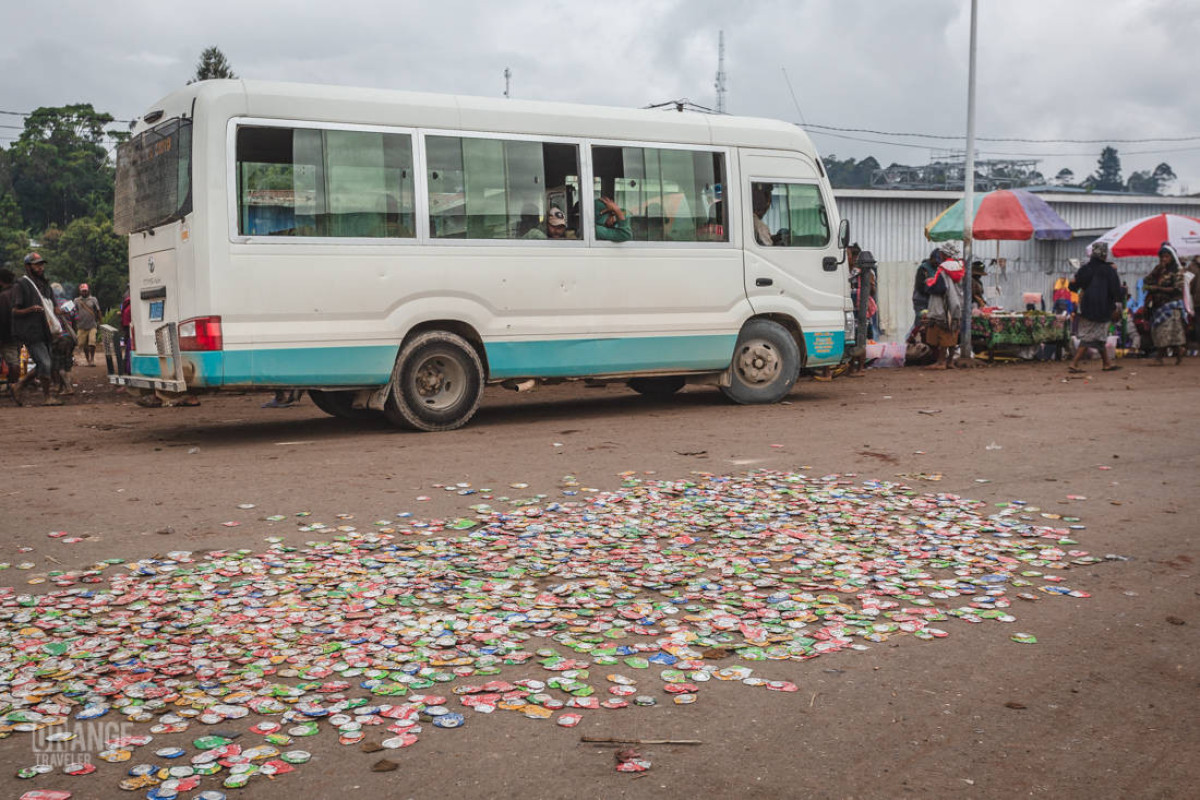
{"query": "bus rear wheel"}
{"type": "Point", "coordinates": [339, 404]}
{"type": "Point", "coordinates": [766, 364]}
{"type": "Point", "coordinates": [437, 384]}
{"type": "Point", "coordinates": [658, 388]}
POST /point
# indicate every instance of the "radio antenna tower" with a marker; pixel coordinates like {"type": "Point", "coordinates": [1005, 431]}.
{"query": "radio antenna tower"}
{"type": "Point", "coordinates": [720, 82]}
{"type": "Point", "coordinates": [507, 81]}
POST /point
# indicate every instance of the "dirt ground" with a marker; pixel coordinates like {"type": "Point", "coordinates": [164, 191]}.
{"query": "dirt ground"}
{"type": "Point", "coordinates": [1106, 705]}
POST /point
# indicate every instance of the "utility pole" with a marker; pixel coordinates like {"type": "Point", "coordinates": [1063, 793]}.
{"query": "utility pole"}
{"type": "Point", "coordinates": [720, 82]}
{"type": "Point", "coordinates": [507, 82]}
{"type": "Point", "coordinates": [965, 353]}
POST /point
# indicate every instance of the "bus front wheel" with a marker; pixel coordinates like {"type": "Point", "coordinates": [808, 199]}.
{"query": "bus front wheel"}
{"type": "Point", "coordinates": [766, 364]}
{"type": "Point", "coordinates": [437, 384]}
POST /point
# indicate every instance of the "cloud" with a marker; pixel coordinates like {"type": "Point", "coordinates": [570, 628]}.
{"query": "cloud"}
{"type": "Point", "coordinates": [1068, 69]}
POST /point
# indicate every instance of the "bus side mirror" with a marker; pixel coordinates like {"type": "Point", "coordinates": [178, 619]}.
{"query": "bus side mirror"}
{"type": "Point", "coordinates": [844, 234]}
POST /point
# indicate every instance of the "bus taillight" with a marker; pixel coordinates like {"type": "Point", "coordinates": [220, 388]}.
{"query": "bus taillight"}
{"type": "Point", "coordinates": [200, 333]}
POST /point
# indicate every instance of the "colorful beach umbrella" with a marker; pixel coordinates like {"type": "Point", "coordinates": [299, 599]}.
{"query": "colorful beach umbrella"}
{"type": "Point", "coordinates": [1008, 214]}
{"type": "Point", "coordinates": [1143, 237]}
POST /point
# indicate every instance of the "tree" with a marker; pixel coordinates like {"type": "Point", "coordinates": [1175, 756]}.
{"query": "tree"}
{"type": "Point", "coordinates": [1163, 175]}
{"type": "Point", "coordinates": [1107, 177]}
{"type": "Point", "coordinates": [849, 174]}
{"type": "Point", "coordinates": [1064, 177]}
{"type": "Point", "coordinates": [14, 238]}
{"type": "Point", "coordinates": [212, 65]}
{"type": "Point", "coordinates": [60, 168]}
{"type": "Point", "coordinates": [89, 250]}
{"type": "Point", "coordinates": [1144, 182]}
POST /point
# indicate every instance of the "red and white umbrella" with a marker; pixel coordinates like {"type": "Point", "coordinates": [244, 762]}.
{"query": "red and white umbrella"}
{"type": "Point", "coordinates": [1144, 237]}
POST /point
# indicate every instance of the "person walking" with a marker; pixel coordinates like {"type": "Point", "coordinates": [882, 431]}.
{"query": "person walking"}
{"type": "Point", "coordinates": [1164, 297]}
{"type": "Point", "coordinates": [87, 323]}
{"type": "Point", "coordinates": [1100, 299]}
{"type": "Point", "coordinates": [944, 312]}
{"type": "Point", "coordinates": [32, 310]}
{"type": "Point", "coordinates": [10, 345]}
{"type": "Point", "coordinates": [925, 273]}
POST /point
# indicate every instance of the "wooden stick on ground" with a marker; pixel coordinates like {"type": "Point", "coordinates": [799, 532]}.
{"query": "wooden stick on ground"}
{"type": "Point", "coordinates": [607, 740]}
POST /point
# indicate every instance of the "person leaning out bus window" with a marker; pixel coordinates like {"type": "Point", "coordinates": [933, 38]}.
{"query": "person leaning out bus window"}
{"type": "Point", "coordinates": [612, 225]}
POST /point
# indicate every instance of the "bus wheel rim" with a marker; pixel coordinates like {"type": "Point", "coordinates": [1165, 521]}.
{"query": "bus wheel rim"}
{"type": "Point", "coordinates": [439, 382]}
{"type": "Point", "coordinates": [759, 362]}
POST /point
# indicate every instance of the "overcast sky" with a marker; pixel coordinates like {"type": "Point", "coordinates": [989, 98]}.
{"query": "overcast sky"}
{"type": "Point", "coordinates": [1047, 69]}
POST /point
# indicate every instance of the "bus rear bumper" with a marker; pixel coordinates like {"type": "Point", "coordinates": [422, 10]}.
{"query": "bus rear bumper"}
{"type": "Point", "coordinates": [117, 358]}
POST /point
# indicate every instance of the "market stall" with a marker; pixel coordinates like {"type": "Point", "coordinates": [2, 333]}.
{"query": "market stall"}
{"type": "Point", "coordinates": [997, 329]}
{"type": "Point", "coordinates": [1008, 215]}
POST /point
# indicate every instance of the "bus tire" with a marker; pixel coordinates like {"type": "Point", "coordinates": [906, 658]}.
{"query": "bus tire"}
{"type": "Point", "coordinates": [437, 384]}
{"type": "Point", "coordinates": [339, 404]}
{"type": "Point", "coordinates": [658, 388]}
{"type": "Point", "coordinates": [766, 364]}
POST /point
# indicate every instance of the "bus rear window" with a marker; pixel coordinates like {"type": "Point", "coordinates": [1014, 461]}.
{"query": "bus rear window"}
{"type": "Point", "coordinates": [154, 173]}
{"type": "Point", "coordinates": [324, 183]}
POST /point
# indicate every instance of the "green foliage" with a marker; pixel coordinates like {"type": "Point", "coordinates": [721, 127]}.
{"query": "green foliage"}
{"type": "Point", "coordinates": [212, 65]}
{"type": "Point", "coordinates": [1151, 182]}
{"type": "Point", "coordinates": [59, 166]}
{"type": "Point", "coordinates": [5, 172]}
{"type": "Point", "coordinates": [1107, 177]}
{"type": "Point", "coordinates": [14, 238]}
{"type": "Point", "coordinates": [850, 174]}
{"type": "Point", "coordinates": [88, 251]}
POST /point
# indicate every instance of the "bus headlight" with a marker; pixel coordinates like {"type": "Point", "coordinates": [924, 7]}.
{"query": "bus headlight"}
{"type": "Point", "coordinates": [851, 328]}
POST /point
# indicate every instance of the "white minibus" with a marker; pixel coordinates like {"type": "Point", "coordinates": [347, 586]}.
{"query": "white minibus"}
{"type": "Point", "coordinates": [394, 252]}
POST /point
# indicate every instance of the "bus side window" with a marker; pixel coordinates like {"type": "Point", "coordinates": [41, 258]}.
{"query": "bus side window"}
{"type": "Point", "coordinates": [324, 183]}
{"type": "Point", "coordinates": [669, 195]}
{"type": "Point", "coordinates": [796, 216]}
{"type": "Point", "coordinates": [808, 221]}
{"type": "Point", "coordinates": [496, 189]}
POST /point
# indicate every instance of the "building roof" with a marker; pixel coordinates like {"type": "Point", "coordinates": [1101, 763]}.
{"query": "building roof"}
{"type": "Point", "coordinates": [1050, 193]}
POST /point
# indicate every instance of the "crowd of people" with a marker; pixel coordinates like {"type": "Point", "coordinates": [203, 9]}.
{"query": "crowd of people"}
{"type": "Point", "coordinates": [48, 329]}
{"type": "Point", "coordinates": [1159, 320]}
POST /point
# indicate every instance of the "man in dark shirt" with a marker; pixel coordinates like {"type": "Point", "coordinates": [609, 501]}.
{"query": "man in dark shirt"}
{"type": "Point", "coordinates": [10, 345]}
{"type": "Point", "coordinates": [1100, 297]}
{"type": "Point", "coordinates": [925, 272]}
{"type": "Point", "coordinates": [29, 320]}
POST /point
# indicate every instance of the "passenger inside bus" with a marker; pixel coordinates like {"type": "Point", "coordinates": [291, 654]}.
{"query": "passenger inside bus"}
{"type": "Point", "coordinates": [612, 224]}
{"type": "Point", "coordinates": [714, 229]}
{"type": "Point", "coordinates": [761, 194]}
{"type": "Point", "coordinates": [556, 226]}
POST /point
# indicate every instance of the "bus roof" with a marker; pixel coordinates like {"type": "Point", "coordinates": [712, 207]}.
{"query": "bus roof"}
{"type": "Point", "coordinates": [336, 104]}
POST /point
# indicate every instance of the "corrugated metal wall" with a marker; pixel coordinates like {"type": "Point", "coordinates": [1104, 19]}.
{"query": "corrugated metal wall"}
{"type": "Point", "coordinates": [892, 226]}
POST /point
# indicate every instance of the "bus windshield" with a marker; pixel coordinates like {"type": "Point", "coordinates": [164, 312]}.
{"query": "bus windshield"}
{"type": "Point", "coordinates": [154, 178]}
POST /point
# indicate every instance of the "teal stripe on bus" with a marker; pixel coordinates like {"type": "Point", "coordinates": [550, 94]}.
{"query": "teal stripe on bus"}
{"type": "Point", "coordinates": [294, 366]}
{"type": "Point", "coordinates": [562, 358]}
{"type": "Point", "coordinates": [554, 358]}
{"type": "Point", "coordinates": [824, 347]}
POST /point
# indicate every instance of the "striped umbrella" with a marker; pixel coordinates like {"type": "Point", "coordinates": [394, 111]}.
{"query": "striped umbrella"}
{"type": "Point", "coordinates": [1009, 214]}
{"type": "Point", "coordinates": [1143, 237]}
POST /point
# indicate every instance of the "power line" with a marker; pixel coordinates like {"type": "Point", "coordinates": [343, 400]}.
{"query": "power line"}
{"type": "Point", "coordinates": [1007, 139]}
{"type": "Point", "coordinates": [1013, 155]}
{"type": "Point", "coordinates": [30, 114]}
